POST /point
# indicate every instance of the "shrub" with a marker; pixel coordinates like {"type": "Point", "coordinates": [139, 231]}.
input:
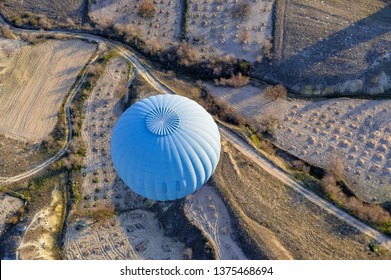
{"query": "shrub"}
{"type": "Point", "coordinates": [18, 21]}
{"type": "Point", "coordinates": [267, 47]}
{"type": "Point", "coordinates": [146, 8]}
{"type": "Point", "coordinates": [241, 10]}
{"type": "Point", "coordinates": [275, 92]}
{"type": "Point", "coordinates": [236, 81]}
{"type": "Point", "coordinates": [244, 36]}
{"type": "Point", "coordinates": [301, 166]}
{"type": "Point", "coordinates": [44, 22]}
{"type": "Point", "coordinates": [6, 32]}
{"type": "Point", "coordinates": [186, 53]}
{"type": "Point", "coordinates": [267, 124]}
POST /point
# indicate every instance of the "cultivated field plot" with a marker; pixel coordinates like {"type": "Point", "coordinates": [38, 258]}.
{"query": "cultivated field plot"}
{"type": "Point", "coordinates": [101, 112]}
{"type": "Point", "coordinates": [130, 235]}
{"type": "Point", "coordinates": [332, 46]}
{"type": "Point", "coordinates": [161, 28]}
{"type": "Point", "coordinates": [133, 234]}
{"type": "Point", "coordinates": [357, 131]}
{"type": "Point", "coordinates": [35, 83]}
{"type": "Point", "coordinates": [283, 223]}
{"type": "Point", "coordinates": [224, 27]}
{"type": "Point", "coordinates": [8, 207]}
{"type": "Point", "coordinates": [57, 10]}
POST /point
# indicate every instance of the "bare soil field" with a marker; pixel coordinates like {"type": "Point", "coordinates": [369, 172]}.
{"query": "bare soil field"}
{"type": "Point", "coordinates": [19, 156]}
{"type": "Point", "coordinates": [58, 10]}
{"type": "Point", "coordinates": [331, 47]}
{"type": "Point", "coordinates": [8, 207]}
{"type": "Point", "coordinates": [161, 28]}
{"type": "Point", "coordinates": [34, 85]}
{"type": "Point", "coordinates": [279, 221]}
{"type": "Point", "coordinates": [241, 28]}
{"type": "Point", "coordinates": [130, 235]}
{"type": "Point", "coordinates": [357, 131]}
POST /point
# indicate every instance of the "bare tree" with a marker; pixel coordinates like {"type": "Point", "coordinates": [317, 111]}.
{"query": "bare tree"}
{"type": "Point", "coordinates": [146, 8]}
{"type": "Point", "coordinates": [275, 92]}
{"type": "Point", "coordinates": [238, 80]}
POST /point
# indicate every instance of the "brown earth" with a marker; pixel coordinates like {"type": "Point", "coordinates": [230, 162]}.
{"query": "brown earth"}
{"type": "Point", "coordinates": [279, 221]}
{"type": "Point", "coordinates": [28, 109]}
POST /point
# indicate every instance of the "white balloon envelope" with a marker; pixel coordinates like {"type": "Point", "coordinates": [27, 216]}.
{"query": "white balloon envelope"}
{"type": "Point", "coordinates": [165, 147]}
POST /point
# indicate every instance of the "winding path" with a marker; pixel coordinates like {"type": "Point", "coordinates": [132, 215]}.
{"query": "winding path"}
{"type": "Point", "coordinates": [247, 150]}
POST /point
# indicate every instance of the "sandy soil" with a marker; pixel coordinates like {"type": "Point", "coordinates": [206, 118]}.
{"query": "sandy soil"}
{"type": "Point", "coordinates": [35, 83]}
{"type": "Point", "coordinates": [332, 47]}
{"type": "Point", "coordinates": [8, 207]}
{"type": "Point", "coordinates": [163, 27]}
{"type": "Point", "coordinates": [358, 131]}
{"type": "Point", "coordinates": [212, 25]}
{"type": "Point", "coordinates": [207, 211]}
{"type": "Point", "coordinates": [280, 221]}
{"type": "Point", "coordinates": [39, 239]}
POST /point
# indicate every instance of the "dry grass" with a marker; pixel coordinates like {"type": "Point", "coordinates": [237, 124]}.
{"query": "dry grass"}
{"type": "Point", "coordinates": [35, 83]}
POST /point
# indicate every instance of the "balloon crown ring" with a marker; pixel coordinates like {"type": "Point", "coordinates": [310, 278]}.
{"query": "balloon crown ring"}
{"type": "Point", "coordinates": [162, 121]}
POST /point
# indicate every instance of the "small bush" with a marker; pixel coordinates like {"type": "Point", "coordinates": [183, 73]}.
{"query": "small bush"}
{"type": "Point", "coordinates": [275, 92]}
{"type": "Point", "coordinates": [44, 22]}
{"type": "Point", "coordinates": [146, 9]}
{"type": "Point", "coordinates": [267, 48]}
{"type": "Point", "coordinates": [241, 10]}
{"type": "Point", "coordinates": [6, 32]}
{"type": "Point", "coordinates": [186, 54]}
{"type": "Point", "coordinates": [267, 124]}
{"type": "Point", "coordinates": [301, 166]}
{"type": "Point", "coordinates": [244, 36]}
{"type": "Point", "coordinates": [236, 81]}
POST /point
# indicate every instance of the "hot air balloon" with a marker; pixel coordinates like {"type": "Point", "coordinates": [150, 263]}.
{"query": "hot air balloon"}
{"type": "Point", "coordinates": [165, 147]}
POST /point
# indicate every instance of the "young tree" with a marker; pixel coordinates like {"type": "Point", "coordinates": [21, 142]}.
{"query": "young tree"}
{"type": "Point", "coordinates": [275, 92]}
{"type": "Point", "coordinates": [146, 8]}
